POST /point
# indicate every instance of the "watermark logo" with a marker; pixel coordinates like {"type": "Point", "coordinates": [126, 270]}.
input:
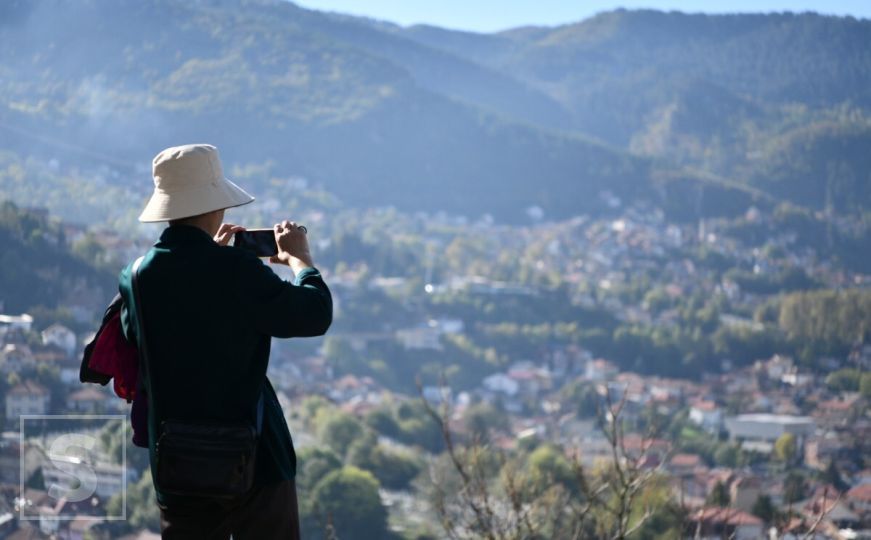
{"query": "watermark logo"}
{"type": "Point", "coordinates": [73, 467]}
{"type": "Point", "coordinates": [71, 455]}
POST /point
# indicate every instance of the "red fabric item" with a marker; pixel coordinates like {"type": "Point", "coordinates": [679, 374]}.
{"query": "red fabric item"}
{"type": "Point", "coordinates": [117, 357]}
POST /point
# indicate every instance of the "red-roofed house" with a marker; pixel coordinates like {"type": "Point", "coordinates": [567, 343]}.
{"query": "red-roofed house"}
{"type": "Point", "coordinates": [827, 500]}
{"type": "Point", "coordinates": [86, 400]}
{"type": "Point", "coordinates": [859, 499]}
{"type": "Point", "coordinates": [862, 477]}
{"type": "Point", "coordinates": [684, 464]}
{"type": "Point", "coordinates": [716, 522]}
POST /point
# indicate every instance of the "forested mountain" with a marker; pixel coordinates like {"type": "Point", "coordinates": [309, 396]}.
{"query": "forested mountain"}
{"type": "Point", "coordinates": [612, 69]}
{"type": "Point", "coordinates": [264, 84]}
{"type": "Point", "coordinates": [789, 93]}
{"type": "Point", "coordinates": [645, 105]}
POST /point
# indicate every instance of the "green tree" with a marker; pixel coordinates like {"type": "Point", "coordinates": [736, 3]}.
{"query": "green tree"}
{"type": "Point", "coordinates": [313, 463]}
{"type": "Point", "coordinates": [786, 448]}
{"type": "Point", "coordinates": [361, 450]}
{"type": "Point", "coordinates": [583, 394]}
{"type": "Point", "coordinates": [657, 300]}
{"type": "Point", "coordinates": [312, 404]}
{"type": "Point", "coordinates": [112, 437]}
{"type": "Point", "coordinates": [548, 465]}
{"type": "Point", "coordinates": [832, 476]}
{"type": "Point", "coordinates": [142, 511]}
{"type": "Point", "coordinates": [338, 430]}
{"type": "Point", "coordinates": [340, 354]}
{"type": "Point", "coordinates": [88, 249]}
{"type": "Point", "coordinates": [844, 380]}
{"type": "Point", "coordinates": [481, 418]}
{"type": "Point", "coordinates": [418, 428]}
{"type": "Point", "coordinates": [794, 488]}
{"type": "Point", "coordinates": [348, 498]}
{"type": "Point", "coordinates": [393, 469]}
{"type": "Point", "coordinates": [865, 385]}
{"type": "Point", "coordinates": [382, 421]}
{"type": "Point", "coordinates": [827, 321]}
{"type": "Point", "coordinates": [728, 455]}
{"type": "Point", "coordinates": [719, 496]}
{"type": "Point", "coordinates": [764, 509]}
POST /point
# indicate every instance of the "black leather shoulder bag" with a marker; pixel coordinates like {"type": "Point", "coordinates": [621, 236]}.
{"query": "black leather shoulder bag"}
{"type": "Point", "coordinates": [207, 459]}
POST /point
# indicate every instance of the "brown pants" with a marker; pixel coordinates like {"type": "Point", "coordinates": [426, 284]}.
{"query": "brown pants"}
{"type": "Point", "coordinates": [266, 513]}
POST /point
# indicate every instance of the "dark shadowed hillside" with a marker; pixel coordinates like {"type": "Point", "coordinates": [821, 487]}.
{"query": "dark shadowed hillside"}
{"type": "Point", "coordinates": [38, 268]}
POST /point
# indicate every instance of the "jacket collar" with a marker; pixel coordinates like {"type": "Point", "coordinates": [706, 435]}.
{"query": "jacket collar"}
{"type": "Point", "coordinates": [185, 234]}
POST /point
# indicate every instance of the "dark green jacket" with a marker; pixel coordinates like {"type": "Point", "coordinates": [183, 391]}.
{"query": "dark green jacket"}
{"type": "Point", "coordinates": [210, 312]}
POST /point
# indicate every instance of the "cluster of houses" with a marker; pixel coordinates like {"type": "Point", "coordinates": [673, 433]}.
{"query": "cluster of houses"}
{"type": "Point", "coordinates": [41, 371]}
{"type": "Point", "coordinates": [606, 254]}
{"type": "Point", "coordinates": [750, 408]}
{"type": "Point", "coordinates": [22, 361]}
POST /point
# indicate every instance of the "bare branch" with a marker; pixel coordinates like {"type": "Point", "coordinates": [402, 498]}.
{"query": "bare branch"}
{"type": "Point", "coordinates": [824, 511]}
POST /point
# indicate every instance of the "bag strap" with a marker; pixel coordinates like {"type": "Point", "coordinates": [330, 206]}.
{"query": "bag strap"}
{"type": "Point", "coordinates": [260, 413]}
{"type": "Point", "coordinates": [140, 322]}
{"type": "Point", "coordinates": [143, 348]}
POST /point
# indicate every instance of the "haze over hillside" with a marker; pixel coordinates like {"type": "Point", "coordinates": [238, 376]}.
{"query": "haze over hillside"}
{"type": "Point", "coordinates": [703, 115]}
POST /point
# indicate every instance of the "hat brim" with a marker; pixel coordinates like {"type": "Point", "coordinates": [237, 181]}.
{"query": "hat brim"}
{"type": "Point", "coordinates": [164, 206]}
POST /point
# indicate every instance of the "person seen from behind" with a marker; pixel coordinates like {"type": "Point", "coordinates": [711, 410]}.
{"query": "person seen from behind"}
{"type": "Point", "coordinates": [221, 455]}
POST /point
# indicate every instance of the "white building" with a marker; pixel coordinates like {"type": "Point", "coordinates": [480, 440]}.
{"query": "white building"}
{"type": "Point", "coordinates": [447, 325]}
{"type": "Point", "coordinates": [777, 366]}
{"type": "Point", "coordinates": [601, 370]}
{"type": "Point", "coordinates": [763, 427]}
{"type": "Point", "coordinates": [794, 378]}
{"type": "Point", "coordinates": [15, 322]}
{"type": "Point", "coordinates": [506, 389]}
{"type": "Point", "coordinates": [707, 415]}
{"type": "Point", "coordinates": [61, 337]}
{"type": "Point", "coordinates": [501, 383]}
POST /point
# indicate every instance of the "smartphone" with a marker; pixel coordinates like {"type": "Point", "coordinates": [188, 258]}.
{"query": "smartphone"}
{"type": "Point", "coordinates": [261, 242]}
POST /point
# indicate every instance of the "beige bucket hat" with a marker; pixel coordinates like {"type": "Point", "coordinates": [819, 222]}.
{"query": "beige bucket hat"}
{"type": "Point", "coordinates": [188, 181]}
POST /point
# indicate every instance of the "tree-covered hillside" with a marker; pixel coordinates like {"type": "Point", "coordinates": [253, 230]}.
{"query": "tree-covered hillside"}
{"type": "Point", "coordinates": [613, 68]}
{"type": "Point", "coordinates": [264, 82]}
{"type": "Point", "coordinates": [772, 107]}
{"type": "Point", "coordinates": [777, 101]}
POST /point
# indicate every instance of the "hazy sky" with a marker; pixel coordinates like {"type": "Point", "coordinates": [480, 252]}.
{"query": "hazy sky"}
{"type": "Point", "coordinates": [492, 15]}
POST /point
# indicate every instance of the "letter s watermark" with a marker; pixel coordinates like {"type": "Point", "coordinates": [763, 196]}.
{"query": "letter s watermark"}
{"type": "Point", "coordinates": [70, 450]}
{"type": "Point", "coordinates": [76, 467]}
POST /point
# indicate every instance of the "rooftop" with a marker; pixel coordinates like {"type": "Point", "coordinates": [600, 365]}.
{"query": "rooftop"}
{"type": "Point", "coordinates": [773, 418]}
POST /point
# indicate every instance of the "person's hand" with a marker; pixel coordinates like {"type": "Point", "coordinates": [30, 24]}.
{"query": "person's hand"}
{"type": "Point", "coordinates": [292, 244]}
{"type": "Point", "coordinates": [225, 232]}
